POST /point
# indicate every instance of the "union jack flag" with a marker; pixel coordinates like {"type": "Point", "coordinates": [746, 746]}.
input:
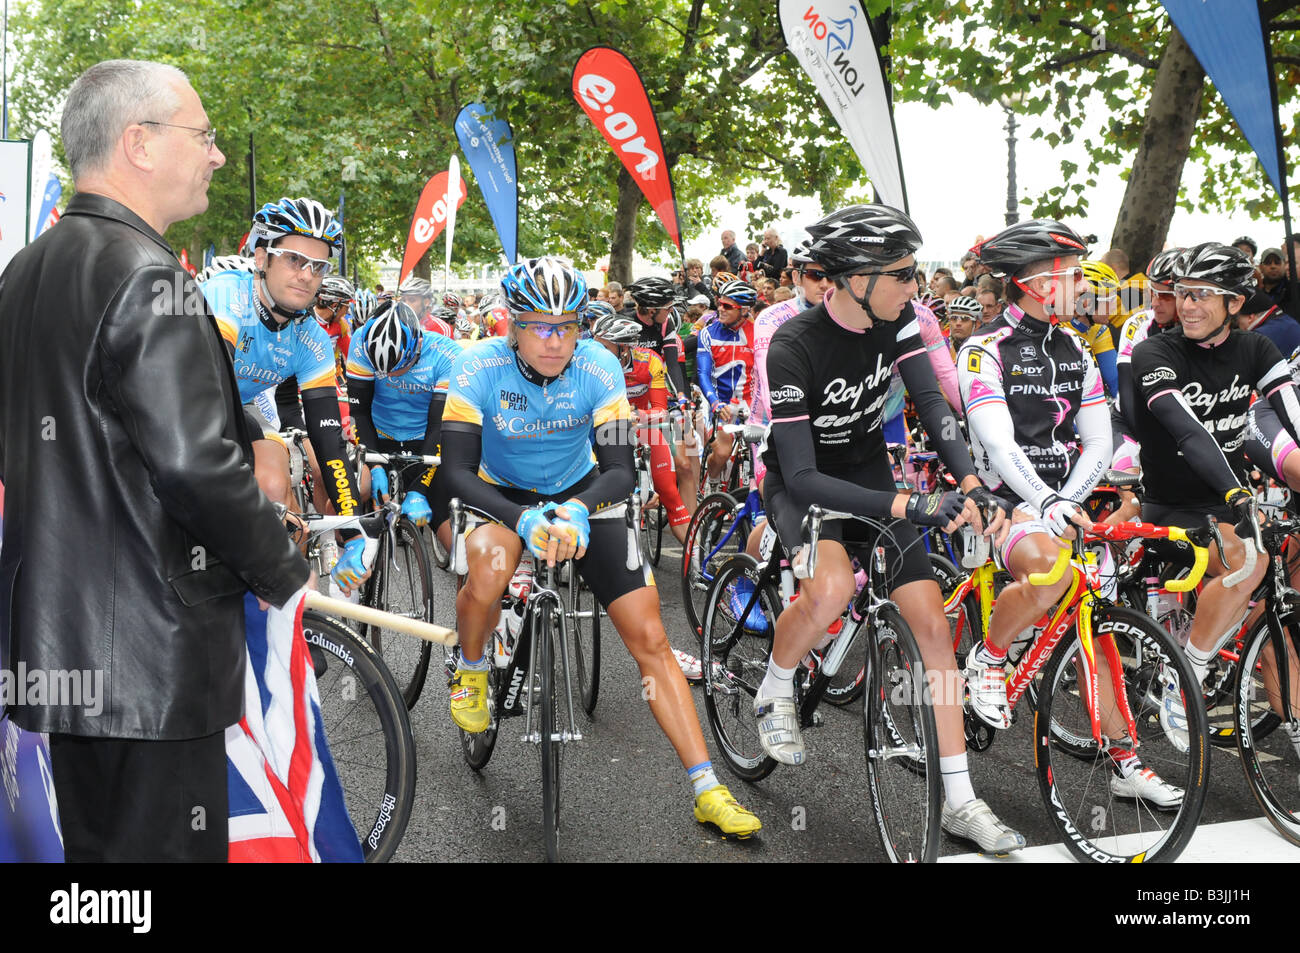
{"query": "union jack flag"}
{"type": "Point", "coordinates": [286, 802]}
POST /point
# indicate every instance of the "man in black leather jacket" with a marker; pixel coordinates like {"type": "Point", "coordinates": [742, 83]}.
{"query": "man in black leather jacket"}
{"type": "Point", "coordinates": [133, 525]}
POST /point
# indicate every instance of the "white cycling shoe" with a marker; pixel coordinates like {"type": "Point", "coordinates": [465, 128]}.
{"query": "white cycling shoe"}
{"type": "Point", "coordinates": [975, 821]}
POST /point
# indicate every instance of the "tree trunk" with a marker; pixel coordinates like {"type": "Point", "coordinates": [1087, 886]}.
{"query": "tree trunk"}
{"type": "Point", "coordinates": [620, 249]}
{"type": "Point", "coordinates": [1143, 221]}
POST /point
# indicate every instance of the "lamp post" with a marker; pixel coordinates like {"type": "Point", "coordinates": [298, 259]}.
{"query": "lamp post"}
{"type": "Point", "coordinates": [1009, 102]}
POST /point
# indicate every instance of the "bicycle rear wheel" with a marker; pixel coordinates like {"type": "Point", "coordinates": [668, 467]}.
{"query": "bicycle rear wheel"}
{"type": "Point", "coordinates": [734, 662]}
{"type": "Point", "coordinates": [713, 519]}
{"type": "Point", "coordinates": [546, 629]}
{"type": "Point", "coordinates": [902, 743]}
{"type": "Point", "coordinates": [369, 733]}
{"type": "Point", "coordinates": [584, 624]}
{"type": "Point", "coordinates": [1075, 780]}
{"type": "Point", "coordinates": [402, 583]}
{"type": "Point", "coordinates": [1268, 756]}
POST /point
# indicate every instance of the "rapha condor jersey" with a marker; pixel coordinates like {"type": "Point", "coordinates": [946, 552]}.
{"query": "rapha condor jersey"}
{"type": "Point", "coordinates": [837, 378]}
{"type": "Point", "coordinates": [537, 434]}
{"type": "Point", "coordinates": [1212, 387]}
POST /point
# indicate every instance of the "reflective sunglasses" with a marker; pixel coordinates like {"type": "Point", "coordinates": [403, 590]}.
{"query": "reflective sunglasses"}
{"type": "Point", "coordinates": [731, 306]}
{"type": "Point", "coordinates": [814, 274]}
{"type": "Point", "coordinates": [297, 262]}
{"type": "Point", "coordinates": [1074, 274]}
{"type": "Point", "coordinates": [903, 275]}
{"type": "Point", "coordinates": [544, 329]}
{"type": "Point", "coordinates": [1200, 294]}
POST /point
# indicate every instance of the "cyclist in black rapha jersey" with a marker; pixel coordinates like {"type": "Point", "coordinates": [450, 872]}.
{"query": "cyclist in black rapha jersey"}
{"type": "Point", "coordinates": [829, 370]}
{"type": "Point", "coordinates": [1194, 386]}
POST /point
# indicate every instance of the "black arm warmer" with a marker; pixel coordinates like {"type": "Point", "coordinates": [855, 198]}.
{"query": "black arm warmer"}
{"type": "Point", "coordinates": [1195, 443]}
{"type": "Point", "coordinates": [673, 368]}
{"type": "Point", "coordinates": [936, 416]}
{"type": "Point", "coordinates": [617, 465]}
{"type": "Point", "coordinates": [321, 407]}
{"type": "Point", "coordinates": [361, 395]}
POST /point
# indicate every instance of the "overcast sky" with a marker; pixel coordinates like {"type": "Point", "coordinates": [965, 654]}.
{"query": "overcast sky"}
{"type": "Point", "coordinates": [958, 193]}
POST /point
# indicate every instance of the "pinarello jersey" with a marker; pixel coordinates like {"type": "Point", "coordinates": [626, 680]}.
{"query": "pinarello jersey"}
{"type": "Point", "coordinates": [400, 410]}
{"type": "Point", "coordinates": [646, 381]}
{"type": "Point", "coordinates": [731, 351]}
{"type": "Point", "coordinates": [1025, 363]}
{"type": "Point", "coordinates": [267, 352]}
{"type": "Point", "coordinates": [765, 325]}
{"type": "Point", "coordinates": [1214, 385]}
{"type": "Point", "coordinates": [537, 435]}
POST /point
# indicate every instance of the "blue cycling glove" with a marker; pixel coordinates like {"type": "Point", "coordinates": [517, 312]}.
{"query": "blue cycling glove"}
{"type": "Point", "coordinates": [351, 568]}
{"type": "Point", "coordinates": [378, 482]}
{"type": "Point", "coordinates": [416, 508]}
{"type": "Point", "coordinates": [534, 528]}
{"type": "Point", "coordinates": [577, 522]}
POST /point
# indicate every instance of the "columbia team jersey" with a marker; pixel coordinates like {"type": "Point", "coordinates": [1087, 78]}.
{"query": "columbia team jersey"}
{"type": "Point", "coordinates": [536, 436]}
{"type": "Point", "coordinates": [401, 406]}
{"type": "Point", "coordinates": [265, 357]}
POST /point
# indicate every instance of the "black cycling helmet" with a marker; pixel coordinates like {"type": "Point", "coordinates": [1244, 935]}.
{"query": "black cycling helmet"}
{"type": "Point", "coordinates": [1014, 248]}
{"type": "Point", "coordinates": [1221, 265]}
{"type": "Point", "coordinates": [652, 293]}
{"type": "Point", "coordinates": [861, 237]}
{"type": "Point", "coordinates": [1161, 267]}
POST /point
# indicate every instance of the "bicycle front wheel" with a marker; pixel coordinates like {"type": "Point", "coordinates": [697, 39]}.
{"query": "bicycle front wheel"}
{"type": "Point", "coordinates": [705, 552]}
{"type": "Point", "coordinates": [734, 662]}
{"type": "Point", "coordinates": [1086, 798]}
{"type": "Point", "coordinates": [1270, 757]}
{"type": "Point", "coordinates": [902, 743]}
{"type": "Point", "coordinates": [546, 629]}
{"type": "Point", "coordinates": [584, 624]}
{"type": "Point", "coordinates": [369, 733]}
{"type": "Point", "coordinates": [402, 583]}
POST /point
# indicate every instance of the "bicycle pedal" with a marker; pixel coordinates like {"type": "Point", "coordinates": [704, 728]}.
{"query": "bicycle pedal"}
{"type": "Point", "coordinates": [816, 721]}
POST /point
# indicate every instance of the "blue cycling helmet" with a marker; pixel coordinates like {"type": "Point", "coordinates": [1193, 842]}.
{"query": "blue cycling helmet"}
{"type": "Point", "coordinates": [302, 216]}
{"type": "Point", "coordinates": [546, 285]}
{"type": "Point", "coordinates": [393, 337]}
{"type": "Point", "coordinates": [596, 310]}
{"type": "Point", "coordinates": [740, 292]}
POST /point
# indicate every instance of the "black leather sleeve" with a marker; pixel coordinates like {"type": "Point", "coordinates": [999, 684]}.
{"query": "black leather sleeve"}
{"type": "Point", "coordinates": [165, 384]}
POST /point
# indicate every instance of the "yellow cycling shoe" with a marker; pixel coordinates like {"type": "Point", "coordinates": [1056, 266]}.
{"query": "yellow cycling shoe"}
{"type": "Point", "coordinates": [716, 806]}
{"type": "Point", "coordinates": [469, 708]}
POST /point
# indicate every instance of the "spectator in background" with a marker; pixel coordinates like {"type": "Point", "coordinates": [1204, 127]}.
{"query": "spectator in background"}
{"type": "Point", "coordinates": [731, 251]}
{"type": "Point", "coordinates": [1263, 315]}
{"type": "Point", "coordinates": [749, 267]}
{"type": "Point", "coordinates": [619, 301]}
{"type": "Point", "coordinates": [1247, 245]}
{"type": "Point", "coordinates": [783, 293]}
{"type": "Point", "coordinates": [787, 278]}
{"type": "Point", "coordinates": [696, 284]}
{"type": "Point", "coordinates": [942, 286]}
{"type": "Point", "coordinates": [991, 283]}
{"type": "Point", "coordinates": [773, 258]}
{"type": "Point", "coordinates": [602, 294]}
{"type": "Point", "coordinates": [973, 268]}
{"type": "Point", "coordinates": [1274, 281]}
{"type": "Point", "coordinates": [1134, 295]}
{"type": "Point", "coordinates": [990, 304]}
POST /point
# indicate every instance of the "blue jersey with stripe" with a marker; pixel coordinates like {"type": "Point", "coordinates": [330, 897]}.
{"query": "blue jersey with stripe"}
{"type": "Point", "coordinates": [400, 410]}
{"type": "Point", "coordinates": [536, 436]}
{"type": "Point", "coordinates": [264, 358]}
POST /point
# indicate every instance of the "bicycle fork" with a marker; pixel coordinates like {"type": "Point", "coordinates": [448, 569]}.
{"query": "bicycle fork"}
{"type": "Point", "coordinates": [532, 731]}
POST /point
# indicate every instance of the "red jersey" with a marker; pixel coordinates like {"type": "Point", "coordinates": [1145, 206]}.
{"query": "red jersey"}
{"type": "Point", "coordinates": [646, 381]}
{"type": "Point", "coordinates": [436, 325]}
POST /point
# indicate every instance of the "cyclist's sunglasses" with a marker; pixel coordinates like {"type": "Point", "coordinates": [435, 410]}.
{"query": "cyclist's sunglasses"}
{"type": "Point", "coordinates": [815, 274]}
{"type": "Point", "coordinates": [902, 275]}
{"type": "Point", "coordinates": [544, 329]}
{"type": "Point", "coordinates": [1200, 294]}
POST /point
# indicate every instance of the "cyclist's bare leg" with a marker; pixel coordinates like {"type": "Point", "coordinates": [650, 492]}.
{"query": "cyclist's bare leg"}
{"type": "Point", "coordinates": [1129, 508]}
{"type": "Point", "coordinates": [722, 444]}
{"type": "Point", "coordinates": [1218, 607]}
{"type": "Point", "coordinates": [822, 599]}
{"type": "Point", "coordinates": [755, 538]}
{"type": "Point", "coordinates": [921, 604]}
{"type": "Point", "coordinates": [492, 553]}
{"type": "Point", "coordinates": [1021, 603]}
{"type": "Point", "coordinates": [636, 617]}
{"type": "Point", "coordinates": [271, 468]}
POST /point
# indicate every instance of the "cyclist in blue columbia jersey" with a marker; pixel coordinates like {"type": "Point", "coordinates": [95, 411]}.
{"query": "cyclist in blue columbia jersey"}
{"type": "Point", "coordinates": [265, 319]}
{"type": "Point", "coordinates": [397, 387]}
{"type": "Point", "coordinates": [517, 445]}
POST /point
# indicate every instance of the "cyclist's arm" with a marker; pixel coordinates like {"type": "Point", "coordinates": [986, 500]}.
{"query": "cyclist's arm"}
{"type": "Point", "coordinates": [617, 464]}
{"type": "Point", "coordinates": [704, 370]}
{"type": "Point", "coordinates": [1157, 386]}
{"type": "Point", "coordinates": [1093, 424]}
{"type": "Point", "coordinates": [936, 347]}
{"type": "Point", "coordinates": [1276, 384]}
{"type": "Point", "coordinates": [936, 416]}
{"type": "Point", "coordinates": [674, 365]}
{"type": "Point", "coordinates": [1109, 370]}
{"type": "Point", "coordinates": [980, 375]}
{"type": "Point", "coordinates": [361, 396]}
{"type": "Point", "coordinates": [321, 408]}
{"type": "Point", "coordinates": [462, 452]}
{"type": "Point", "coordinates": [792, 441]}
